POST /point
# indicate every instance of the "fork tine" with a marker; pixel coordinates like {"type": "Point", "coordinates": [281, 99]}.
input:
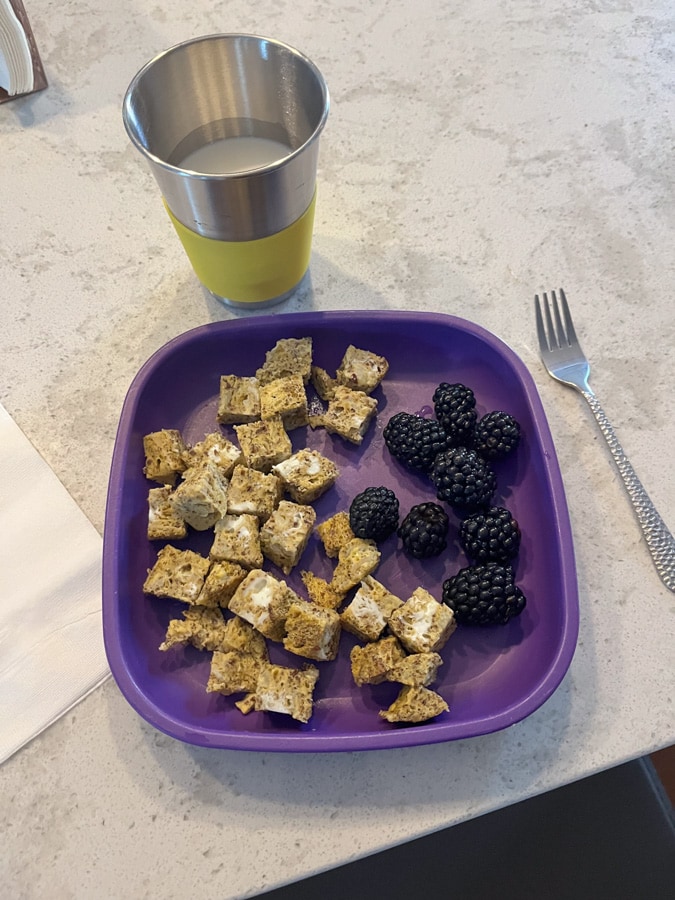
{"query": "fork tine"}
{"type": "Point", "coordinates": [559, 328]}
{"type": "Point", "coordinates": [553, 335]}
{"type": "Point", "coordinates": [541, 332]}
{"type": "Point", "coordinates": [567, 317]}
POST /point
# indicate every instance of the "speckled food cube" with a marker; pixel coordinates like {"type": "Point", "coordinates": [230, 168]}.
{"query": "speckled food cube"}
{"type": "Point", "coordinates": [233, 672]}
{"type": "Point", "coordinates": [306, 475]}
{"type": "Point", "coordinates": [202, 627]}
{"type": "Point", "coordinates": [320, 592]}
{"type": "Point", "coordinates": [417, 670]}
{"type": "Point", "coordinates": [415, 704]}
{"type": "Point", "coordinates": [237, 540]}
{"type": "Point", "coordinates": [371, 662]}
{"type": "Point", "coordinates": [201, 497]}
{"type": "Point", "coordinates": [178, 574]}
{"type": "Point", "coordinates": [242, 636]}
{"type": "Point", "coordinates": [264, 443]}
{"type": "Point", "coordinates": [312, 631]}
{"type": "Point", "coordinates": [215, 448]}
{"type": "Point", "coordinates": [263, 601]}
{"type": "Point", "coordinates": [335, 533]}
{"type": "Point", "coordinates": [422, 624]}
{"type": "Point", "coordinates": [289, 356]}
{"type": "Point", "coordinates": [285, 397]}
{"type": "Point", "coordinates": [361, 370]}
{"type": "Point", "coordinates": [286, 690]}
{"type": "Point", "coordinates": [163, 523]}
{"type": "Point", "coordinates": [221, 582]}
{"type": "Point", "coordinates": [252, 492]}
{"type": "Point", "coordinates": [285, 534]}
{"type": "Point", "coordinates": [356, 560]}
{"type": "Point", "coordinates": [164, 455]}
{"type": "Point", "coordinates": [348, 415]}
{"type": "Point", "coordinates": [239, 400]}
{"type": "Point", "coordinates": [369, 611]}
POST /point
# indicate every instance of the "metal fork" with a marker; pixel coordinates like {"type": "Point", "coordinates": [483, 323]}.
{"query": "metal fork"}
{"type": "Point", "coordinates": [565, 361]}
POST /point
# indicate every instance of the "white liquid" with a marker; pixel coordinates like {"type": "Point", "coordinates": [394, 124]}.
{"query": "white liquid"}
{"type": "Point", "coordinates": [236, 154]}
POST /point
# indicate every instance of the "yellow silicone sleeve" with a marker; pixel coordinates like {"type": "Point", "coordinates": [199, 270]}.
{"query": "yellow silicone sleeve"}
{"type": "Point", "coordinates": [250, 271]}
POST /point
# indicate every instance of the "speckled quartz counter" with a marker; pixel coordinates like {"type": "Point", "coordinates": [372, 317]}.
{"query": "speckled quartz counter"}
{"type": "Point", "coordinates": [475, 153]}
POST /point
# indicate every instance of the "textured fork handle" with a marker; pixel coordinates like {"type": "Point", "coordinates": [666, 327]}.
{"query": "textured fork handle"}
{"type": "Point", "coordinates": [660, 541]}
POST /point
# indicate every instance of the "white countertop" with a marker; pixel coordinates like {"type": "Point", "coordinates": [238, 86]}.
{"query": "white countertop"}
{"type": "Point", "coordinates": [475, 153]}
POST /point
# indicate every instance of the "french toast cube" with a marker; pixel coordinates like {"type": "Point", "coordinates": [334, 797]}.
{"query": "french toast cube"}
{"type": "Point", "coordinates": [221, 582]}
{"type": "Point", "coordinates": [263, 601]}
{"type": "Point", "coordinates": [215, 448]}
{"type": "Point", "coordinates": [202, 627]}
{"type": "Point", "coordinates": [361, 370]}
{"type": "Point", "coordinates": [252, 492]}
{"type": "Point", "coordinates": [163, 523]}
{"type": "Point", "coordinates": [415, 704]}
{"type": "Point", "coordinates": [369, 611]}
{"type": "Point", "coordinates": [356, 560]}
{"type": "Point", "coordinates": [285, 397]}
{"type": "Point", "coordinates": [371, 662]}
{"type": "Point", "coordinates": [289, 356]}
{"type": "Point", "coordinates": [237, 540]}
{"type": "Point", "coordinates": [349, 414]}
{"type": "Point", "coordinates": [422, 624]}
{"type": "Point", "coordinates": [164, 451]}
{"type": "Point", "coordinates": [264, 443]}
{"type": "Point", "coordinates": [177, 574]}
{"type": "Point", "coordinates": [238, 400]}
{"type": "Point", "coordinates": [306, 475]}
{"type": "Point", "coordinates": [335, 533]}
{"type": "Point", "coordinates": [286, 690]}
{"type": "Point", "coordinates": [233, 672]}
{"type": "Point", "coordinates": [417, 669]}
{"type": "Point", "coordinates": [201, 497]}
{"type": "Point", "coordinates": [312, 631]}
{"type": "Point", "coordinates": [284, 536]}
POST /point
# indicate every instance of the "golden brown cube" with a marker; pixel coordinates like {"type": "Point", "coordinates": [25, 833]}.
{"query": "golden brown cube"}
{"type": "Point", "coordinates": [254, 493]}
{"type": "Point", "coordinates": [371, 662]}
{"type": "Point", "coordinates": [415, 704]}
{"type": "Point", "coordinates": [178, 574]}
{"type": "Point", "coordinates": [312, 631]}
{"type": "Point", "coordinates": [285, 397]}
{"type": "Point", "coordinates": [361, 370]}
{"type": "Point", "coordinates": [237, 540]}
{"type": "Point", "coordinates": [163, 523]}
{"type": "Point", "coordinates": [422, 624]}
{"type": "Point", "coordinates": [239, 400]}
{"type": "Point", "coordinates": [164, 455]}
{"type": "Point", "coordinates": [306, 475]}
{"type": "Point", "coordinates": [264, 443]}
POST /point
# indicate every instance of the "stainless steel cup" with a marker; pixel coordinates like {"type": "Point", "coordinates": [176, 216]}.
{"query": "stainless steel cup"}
{"type": "Point", "coordinates": [224, 86]}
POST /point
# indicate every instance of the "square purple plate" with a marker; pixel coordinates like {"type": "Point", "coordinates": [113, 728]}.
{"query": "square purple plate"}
{"type": "Point", "coordinates": [490, 678]}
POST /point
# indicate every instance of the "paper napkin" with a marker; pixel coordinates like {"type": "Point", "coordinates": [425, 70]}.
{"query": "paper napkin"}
{"type": "Point", "coordinates": [51, 640]}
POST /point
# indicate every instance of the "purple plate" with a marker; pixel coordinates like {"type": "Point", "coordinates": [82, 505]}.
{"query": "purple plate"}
{"type": "Point", "coordinates": [491, 677]}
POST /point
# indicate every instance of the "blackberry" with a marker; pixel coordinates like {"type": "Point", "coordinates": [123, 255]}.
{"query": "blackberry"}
{"type": "Point", "coordinates": [414, 441]}
{"type": "Point", "coordinates": [484, 595]}
{"type": "Point", "coordinates": [424, 531]}
{"type": "Point", "coordinates": [497, 435]}
{"type": "Point", "coordinates": [463, 479]}
{"type": "Point", "coordinates": [373, 513]}
{"type": "Point", "coordinates": [454, 407]}
{"type": "Point", "coordinates": [492, 536]}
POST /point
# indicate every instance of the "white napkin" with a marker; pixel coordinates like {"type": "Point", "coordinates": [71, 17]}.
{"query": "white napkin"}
{"type": "Point", "coordinates": [51, 639]}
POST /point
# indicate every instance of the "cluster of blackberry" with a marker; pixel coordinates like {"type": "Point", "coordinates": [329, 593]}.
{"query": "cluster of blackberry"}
{"type": "Point", "coordinates": [456, 451]}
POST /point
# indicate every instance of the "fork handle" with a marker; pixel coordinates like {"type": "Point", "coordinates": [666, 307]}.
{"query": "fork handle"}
{"type": "Point", "coordinates": [660, 541]}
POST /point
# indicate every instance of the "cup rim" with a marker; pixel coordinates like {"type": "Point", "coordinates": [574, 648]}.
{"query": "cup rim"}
{"type": "Point", "coordinates": [224, 176]}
